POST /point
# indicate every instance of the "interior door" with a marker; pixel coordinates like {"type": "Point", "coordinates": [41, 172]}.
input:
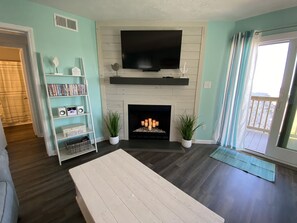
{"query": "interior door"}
{"type": "Point", "coordinates": [284, 117]}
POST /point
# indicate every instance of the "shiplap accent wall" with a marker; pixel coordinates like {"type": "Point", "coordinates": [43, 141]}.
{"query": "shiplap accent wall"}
{"type": "Point", "coordinates": [183, 99]}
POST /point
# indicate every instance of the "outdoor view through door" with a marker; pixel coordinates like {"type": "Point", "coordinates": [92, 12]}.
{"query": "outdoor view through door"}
{"type": "Point", "coordinates": [272, 120]}
{"type": "Point", "coordinates": [268, 77]}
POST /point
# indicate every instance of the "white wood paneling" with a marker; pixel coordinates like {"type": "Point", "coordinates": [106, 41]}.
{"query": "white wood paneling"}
{"type": "Point", "coordinates": [191, 47]}
{"type": "Point", "coordinates": [183, 98]}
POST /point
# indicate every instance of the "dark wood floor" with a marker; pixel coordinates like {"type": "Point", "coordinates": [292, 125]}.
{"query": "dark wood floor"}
{"type": "Point", "coordinates": [46, 191]}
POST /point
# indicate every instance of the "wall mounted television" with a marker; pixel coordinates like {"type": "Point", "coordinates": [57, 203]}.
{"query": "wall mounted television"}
{"type": "Point", "coordinates": [151, 50]}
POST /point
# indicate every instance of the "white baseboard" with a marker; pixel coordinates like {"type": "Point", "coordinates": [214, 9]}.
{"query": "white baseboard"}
{"type": "Point", "coordinates": [100, 139]}
{"type": "Point", "coordinates": [199, 141]}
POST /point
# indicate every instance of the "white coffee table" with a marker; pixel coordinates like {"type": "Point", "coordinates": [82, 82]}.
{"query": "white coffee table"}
{"type": "Point", "coordinates": [118, 188]}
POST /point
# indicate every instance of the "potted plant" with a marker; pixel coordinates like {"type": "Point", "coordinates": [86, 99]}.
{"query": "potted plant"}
{"type": "Point", "coordinates": [112, 122]}
{"type": "Point", "coordinates": [187, 127]}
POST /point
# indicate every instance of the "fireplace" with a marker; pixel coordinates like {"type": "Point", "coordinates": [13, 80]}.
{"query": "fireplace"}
{"type": "Point", "coordinates": [149, 121]}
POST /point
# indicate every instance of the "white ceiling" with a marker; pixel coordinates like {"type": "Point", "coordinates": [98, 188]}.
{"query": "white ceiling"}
{"type": "Point", "coordinates": [168, 10]}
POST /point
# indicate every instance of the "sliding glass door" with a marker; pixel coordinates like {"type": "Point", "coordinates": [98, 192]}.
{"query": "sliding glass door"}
{"type": "Point", "coordinates": [282, 139]}
{"type": "Point", "coordinates": [268, 77]}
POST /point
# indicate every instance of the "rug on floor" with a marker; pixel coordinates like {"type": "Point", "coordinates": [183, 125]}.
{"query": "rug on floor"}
{"type": "Point", "coordinates": [249, 164]}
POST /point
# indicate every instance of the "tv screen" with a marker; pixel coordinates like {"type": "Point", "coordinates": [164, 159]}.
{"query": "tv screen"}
{"type": "Point", "coordinates": [151, 50]}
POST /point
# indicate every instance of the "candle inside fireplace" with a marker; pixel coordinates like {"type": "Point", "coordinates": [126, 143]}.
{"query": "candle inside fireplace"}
{"type": "Point", "coordinates": [149, 123]}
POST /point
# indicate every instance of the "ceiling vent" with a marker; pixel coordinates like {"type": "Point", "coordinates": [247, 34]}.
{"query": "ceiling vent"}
{"type": "Point", "coordinates": [66, 23]}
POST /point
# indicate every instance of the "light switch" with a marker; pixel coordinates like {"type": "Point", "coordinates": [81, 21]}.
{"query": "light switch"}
{"type": "Point", "coordinates": [207, 84]}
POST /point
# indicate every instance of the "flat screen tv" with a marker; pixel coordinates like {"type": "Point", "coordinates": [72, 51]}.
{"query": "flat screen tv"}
{"type": "Point", "coordinates": [151, 50]}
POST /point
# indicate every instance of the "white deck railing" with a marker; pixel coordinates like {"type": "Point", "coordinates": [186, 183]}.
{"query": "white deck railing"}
{"type": "Point", "coordinates": [261, 113]}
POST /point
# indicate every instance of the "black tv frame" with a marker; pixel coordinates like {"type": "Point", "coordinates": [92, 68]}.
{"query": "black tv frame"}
{"type": "Point", "coordinates": [155, 49]}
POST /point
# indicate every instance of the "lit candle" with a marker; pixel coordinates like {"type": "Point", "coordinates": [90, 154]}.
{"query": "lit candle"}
{"type": "Point", "coordinates": [142, 123]}
{"type": "Point", "coordinates": [157, 123]}
{"type": "Point", "coordinates": [154, 124]}
{"type": "Point", "coordinates": [149, 127]}
{"type": "Point", "coordinates": [145, 124]}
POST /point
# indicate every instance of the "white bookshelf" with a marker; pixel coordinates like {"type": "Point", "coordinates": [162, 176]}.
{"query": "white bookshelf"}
{"type": "Point", "coordinates": [85, 118]}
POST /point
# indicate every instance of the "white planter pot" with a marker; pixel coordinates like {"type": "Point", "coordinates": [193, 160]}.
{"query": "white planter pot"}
{"type": "Point", "coordinates": [114, 140]}
{"type": "Point", "coordinates": [186, 143]}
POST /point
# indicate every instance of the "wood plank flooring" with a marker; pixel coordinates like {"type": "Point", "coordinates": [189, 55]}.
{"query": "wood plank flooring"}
{"type": "Point", "coordinates": [46, 191]}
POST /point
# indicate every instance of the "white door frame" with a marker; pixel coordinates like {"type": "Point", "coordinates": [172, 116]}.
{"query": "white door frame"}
{"type": "Point", "coordinates": [40, 123]}
{"type": "Point", "coordinates": [281, 154]}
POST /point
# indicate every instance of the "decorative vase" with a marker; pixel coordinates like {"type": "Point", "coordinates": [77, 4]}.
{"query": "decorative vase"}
{"type": "Point", "coordinates": [186, 143]}
{"type": "Point", "coordinates": [114, 140]}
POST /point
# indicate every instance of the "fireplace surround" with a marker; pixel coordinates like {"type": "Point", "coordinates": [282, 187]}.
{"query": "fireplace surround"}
{"type": "Point", "coordinates": [181, 98]}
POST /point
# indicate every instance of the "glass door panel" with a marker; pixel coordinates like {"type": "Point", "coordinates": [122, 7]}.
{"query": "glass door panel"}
{"type": "Point", "coordinates": [281, 144]}
{"type": "Point", "coordinates": [268, 77]}
{"type": "Point", "coordinates": [288, 135]}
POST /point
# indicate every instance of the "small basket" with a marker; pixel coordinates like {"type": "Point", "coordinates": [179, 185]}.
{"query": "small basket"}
{"type": "Point", "coordinates": [76, 146]}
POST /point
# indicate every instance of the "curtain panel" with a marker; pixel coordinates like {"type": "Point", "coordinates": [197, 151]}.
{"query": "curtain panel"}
{"type": "Point", "coordinates": [233, 116]}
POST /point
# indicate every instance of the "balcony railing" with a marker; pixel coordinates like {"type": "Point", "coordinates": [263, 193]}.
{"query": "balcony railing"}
{"type": "Point", "coordinates": [261, 113]}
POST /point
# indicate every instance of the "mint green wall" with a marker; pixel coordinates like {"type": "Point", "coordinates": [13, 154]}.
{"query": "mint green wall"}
{"type": "Point", "coordinates": [68, 45]}
{"type": "Point", "coordinates": [218, 39]}
{"type": "Point", "coordinates": [65, 44]}
{"type": "Point", "coordinates": [272, 20]}
{"type": "Point", "coordinates": [215, 65]}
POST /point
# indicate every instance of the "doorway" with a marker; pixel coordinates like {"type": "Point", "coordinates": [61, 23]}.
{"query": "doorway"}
{"type": "Point", "coordinates": [267, 81]}
{"type": "Point", "coordinates": [15, 36]}
{"type": "Point", "coordinates": [14, 105]}
{"type": "Point", "coordinates": [15, 112]}
{"type": "Point", "coordinates": [273, 112]}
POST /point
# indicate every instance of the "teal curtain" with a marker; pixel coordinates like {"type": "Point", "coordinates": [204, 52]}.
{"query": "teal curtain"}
{"type": "Point", "coordinates": [233, 117]}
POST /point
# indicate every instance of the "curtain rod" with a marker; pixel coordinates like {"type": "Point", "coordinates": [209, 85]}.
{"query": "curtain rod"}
{"type": "Point", "coordinates": [269, 30]}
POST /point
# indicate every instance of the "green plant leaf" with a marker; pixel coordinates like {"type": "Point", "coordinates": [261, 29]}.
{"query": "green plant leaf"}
{"type": "Point", "coordinates": [187, 126]}
{"type": "Point", "coordinates": [112, 122]}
